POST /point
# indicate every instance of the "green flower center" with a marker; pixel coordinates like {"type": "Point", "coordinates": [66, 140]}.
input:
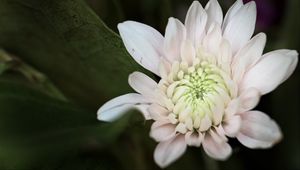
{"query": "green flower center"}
{"type": "Point", "coordinates": [195, 93]}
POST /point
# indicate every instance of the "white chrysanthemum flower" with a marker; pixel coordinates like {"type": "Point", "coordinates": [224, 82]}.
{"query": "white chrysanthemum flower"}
{"type": "Point", "coordinates": [212, 74]}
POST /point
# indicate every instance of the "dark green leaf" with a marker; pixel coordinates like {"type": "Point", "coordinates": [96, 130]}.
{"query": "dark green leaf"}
{"type": "Point", "coordinates": [67, 42]}
{"type": "Point", "coordinates": [35, 128]}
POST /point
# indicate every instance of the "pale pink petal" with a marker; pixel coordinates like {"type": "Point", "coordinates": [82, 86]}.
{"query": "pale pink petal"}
{"type": "Point", "coordinates": [216, 149]}
{"type": "Point", "coordinates": [193, 138]}
{"type": "Point", "coordinates": [195, 22]}
{"type": "Point", "coordinates": [162, 130]}
{"type": "Point", "coordinates": [175, 34]}
{"type": "Point", "coordinates": [143, 43]}
{"type": "Point", "coordinates": [232, 11]}
{"type": "Point", "coordinates": [169, 151]}
{"type": "Point", "coordinates": [225, 56]}
{"type": "Point", "coordinates": [274, 68]}
{"type": "Point", "coordinates": [258, 130]}
{"type": "Point", "coordinates": [217, 110]}
{"type": "Point", "coordinates": [188, 53]}
{"type": "Point", "coordinates": [232, 126]}
{"type": "Point", "coordinates": [212, 40]}
{"type": "Point", "coordinates": [142, 84]}
{"type": "Point", "coordinates": [157, 112]}
{"type": "Point", "coordinates": [118, 106]}
{"type": "Point", "coordinates": [249, 99]}
{"type": "Point", "coordinates": [232, 108]}
{"type": "Point", "coordinates": [214, 13]}
{"type": "Point", "coordinates": [240, 27]}
{"type": "Point", "coordinates": [248, 56]}
{"type": "Point", "coordinates": [218, 134]}
{"type": "Point", "coordinates": [164, 68]}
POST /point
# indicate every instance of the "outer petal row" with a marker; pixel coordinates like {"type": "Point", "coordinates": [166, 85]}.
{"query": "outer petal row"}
{"type": "Point", "coordinates": [117, 107]}
{"type": "Point", "coordinates": [273, 68]}
{"type": "Point", "coordinates": [195, 22]}
{"type": "Point", "coordinates": [258, 130]}
{"type": "Point", "coordinates": [169, 151]}
{"type": "Point", "coordinates": [239, 24]}
{"type": "Point", "coordinates": [143, 43]}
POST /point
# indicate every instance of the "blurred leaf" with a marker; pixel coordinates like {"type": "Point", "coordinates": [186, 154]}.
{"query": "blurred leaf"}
{"type": "Point", "coordinates": [35, 128]}
{"type": "Point", "coordinates": [9, 62]}
{"type": "Point", "coordinates": [66, 41]}
{"type": "Point", "coordinates": [110, 11]}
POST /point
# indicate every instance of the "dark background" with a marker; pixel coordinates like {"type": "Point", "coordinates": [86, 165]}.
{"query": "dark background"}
{"type": "Point", "coordinates": [69, 64]}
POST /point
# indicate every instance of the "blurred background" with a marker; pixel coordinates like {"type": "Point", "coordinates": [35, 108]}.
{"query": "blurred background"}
{"type": "Point", "coordinates": [59, 63]}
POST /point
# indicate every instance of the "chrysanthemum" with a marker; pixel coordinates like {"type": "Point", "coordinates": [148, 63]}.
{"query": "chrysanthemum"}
{"type": "Point", "coordinates": [212, 73]}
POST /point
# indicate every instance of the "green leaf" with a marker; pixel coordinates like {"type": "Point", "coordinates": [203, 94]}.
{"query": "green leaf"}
{"type": "Point", "coordinates": [67, 42]}
{"type": "Point", "coordinates": [35, 128]}
{"type": "Point", "coordinates": [9, 62]}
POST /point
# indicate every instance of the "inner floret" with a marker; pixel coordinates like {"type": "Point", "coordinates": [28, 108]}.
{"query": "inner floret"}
{"type": "Point", "coordinates": [198, 95]}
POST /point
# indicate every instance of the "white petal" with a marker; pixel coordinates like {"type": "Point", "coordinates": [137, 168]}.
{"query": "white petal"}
{"type": "Point", "coordinates": [195, 22]}
{"type": "Point", "coordinates": [142, 84]}
{"type": "Point", "coordinates": [157, 112]}
{"type": "Point", "coordinates": [218, 110]}
{"type": "Point", "coordinates": [169, 151]}
{"type": "Point", "coordinates": [193, 138]}
{"type": "Point", "coordinates": [232, 126]}
{"type": "Point", "coordinates": [188, 52]}
{"type": "Point", "coordinates": [174, 36]}
{"type": "Point", "coordinates": [205, 123]}
{"type": "Point", "coordinates": [162, 130]}
{"type": "Point", "coordinates": [118, 106]}
{"type": "Point", "coordinates": [258, 130]}
{"type": "Point", "coordinates": [214, 149]}
{"type": "Point", "coordinates": [225, 56]}
{"type": "Point", "coordinates": [232, 11]}
{"type": "Point", "coordinates": [213, 39]}
{"type": "Point", "coordinates": [241, 26]}
{"type": "Point", "coordinates": [214, 13]}
{"type": "Point", "coordinates": [143, 43]}
{"type": "Point", "coordinates": [248, 56]}
{"type": "Point", "coordinates": [232, 108]}
{"type": "Point", "coordinates": [249, 99]}
{"type": "Point", "coordinates": [274, 68]}
{"type": "Point", "coordinates": [164, 68]}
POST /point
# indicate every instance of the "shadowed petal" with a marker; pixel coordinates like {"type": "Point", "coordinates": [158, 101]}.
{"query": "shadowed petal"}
{"type": "Point", "coordinates": [193, 138]}
{"type": "Point", "coordinates": [248, 56]}
{"type": "Point", "coordinates": [157, 112]}
{"type": "Point", "coordinates": [195, 22]}
{"type": "Point", "coordinates": [258, 130]}
{"type": "Point", "coordinates": [118, 106]}
{"type": "Point", "coordinates": [249, 99]}
{"type": "Point", "coordinates": [143, 43]}
{"type": "Point", "coordinates": [142, 84]}
{"type": "Point", "coordinates": [213, 39]}
{"type": "Point", "coordinates": [232, 11]}
{"type": "Point", "coordinates": [240, 27]}
{"type": "Point", "coordinates": [214, 13]}
{"type": "Point", "coordinates": [174, 36]}
{"type": "Point", "coordinates": [162, 130]}
{"type": "Point", "coordinates": [216, 147]}
{"type": "Point", "coordinates": [232, 126]}
{"type": "Point", "coordinates": [188, 52]}
{"type": "Point", "coordinates": [169, 151]}
{"type": "Point", "coordinates": [274, 68]}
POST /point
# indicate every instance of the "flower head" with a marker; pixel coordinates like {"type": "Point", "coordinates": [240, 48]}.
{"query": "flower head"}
{"type": "Point", "coordinates": [212, 73]}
